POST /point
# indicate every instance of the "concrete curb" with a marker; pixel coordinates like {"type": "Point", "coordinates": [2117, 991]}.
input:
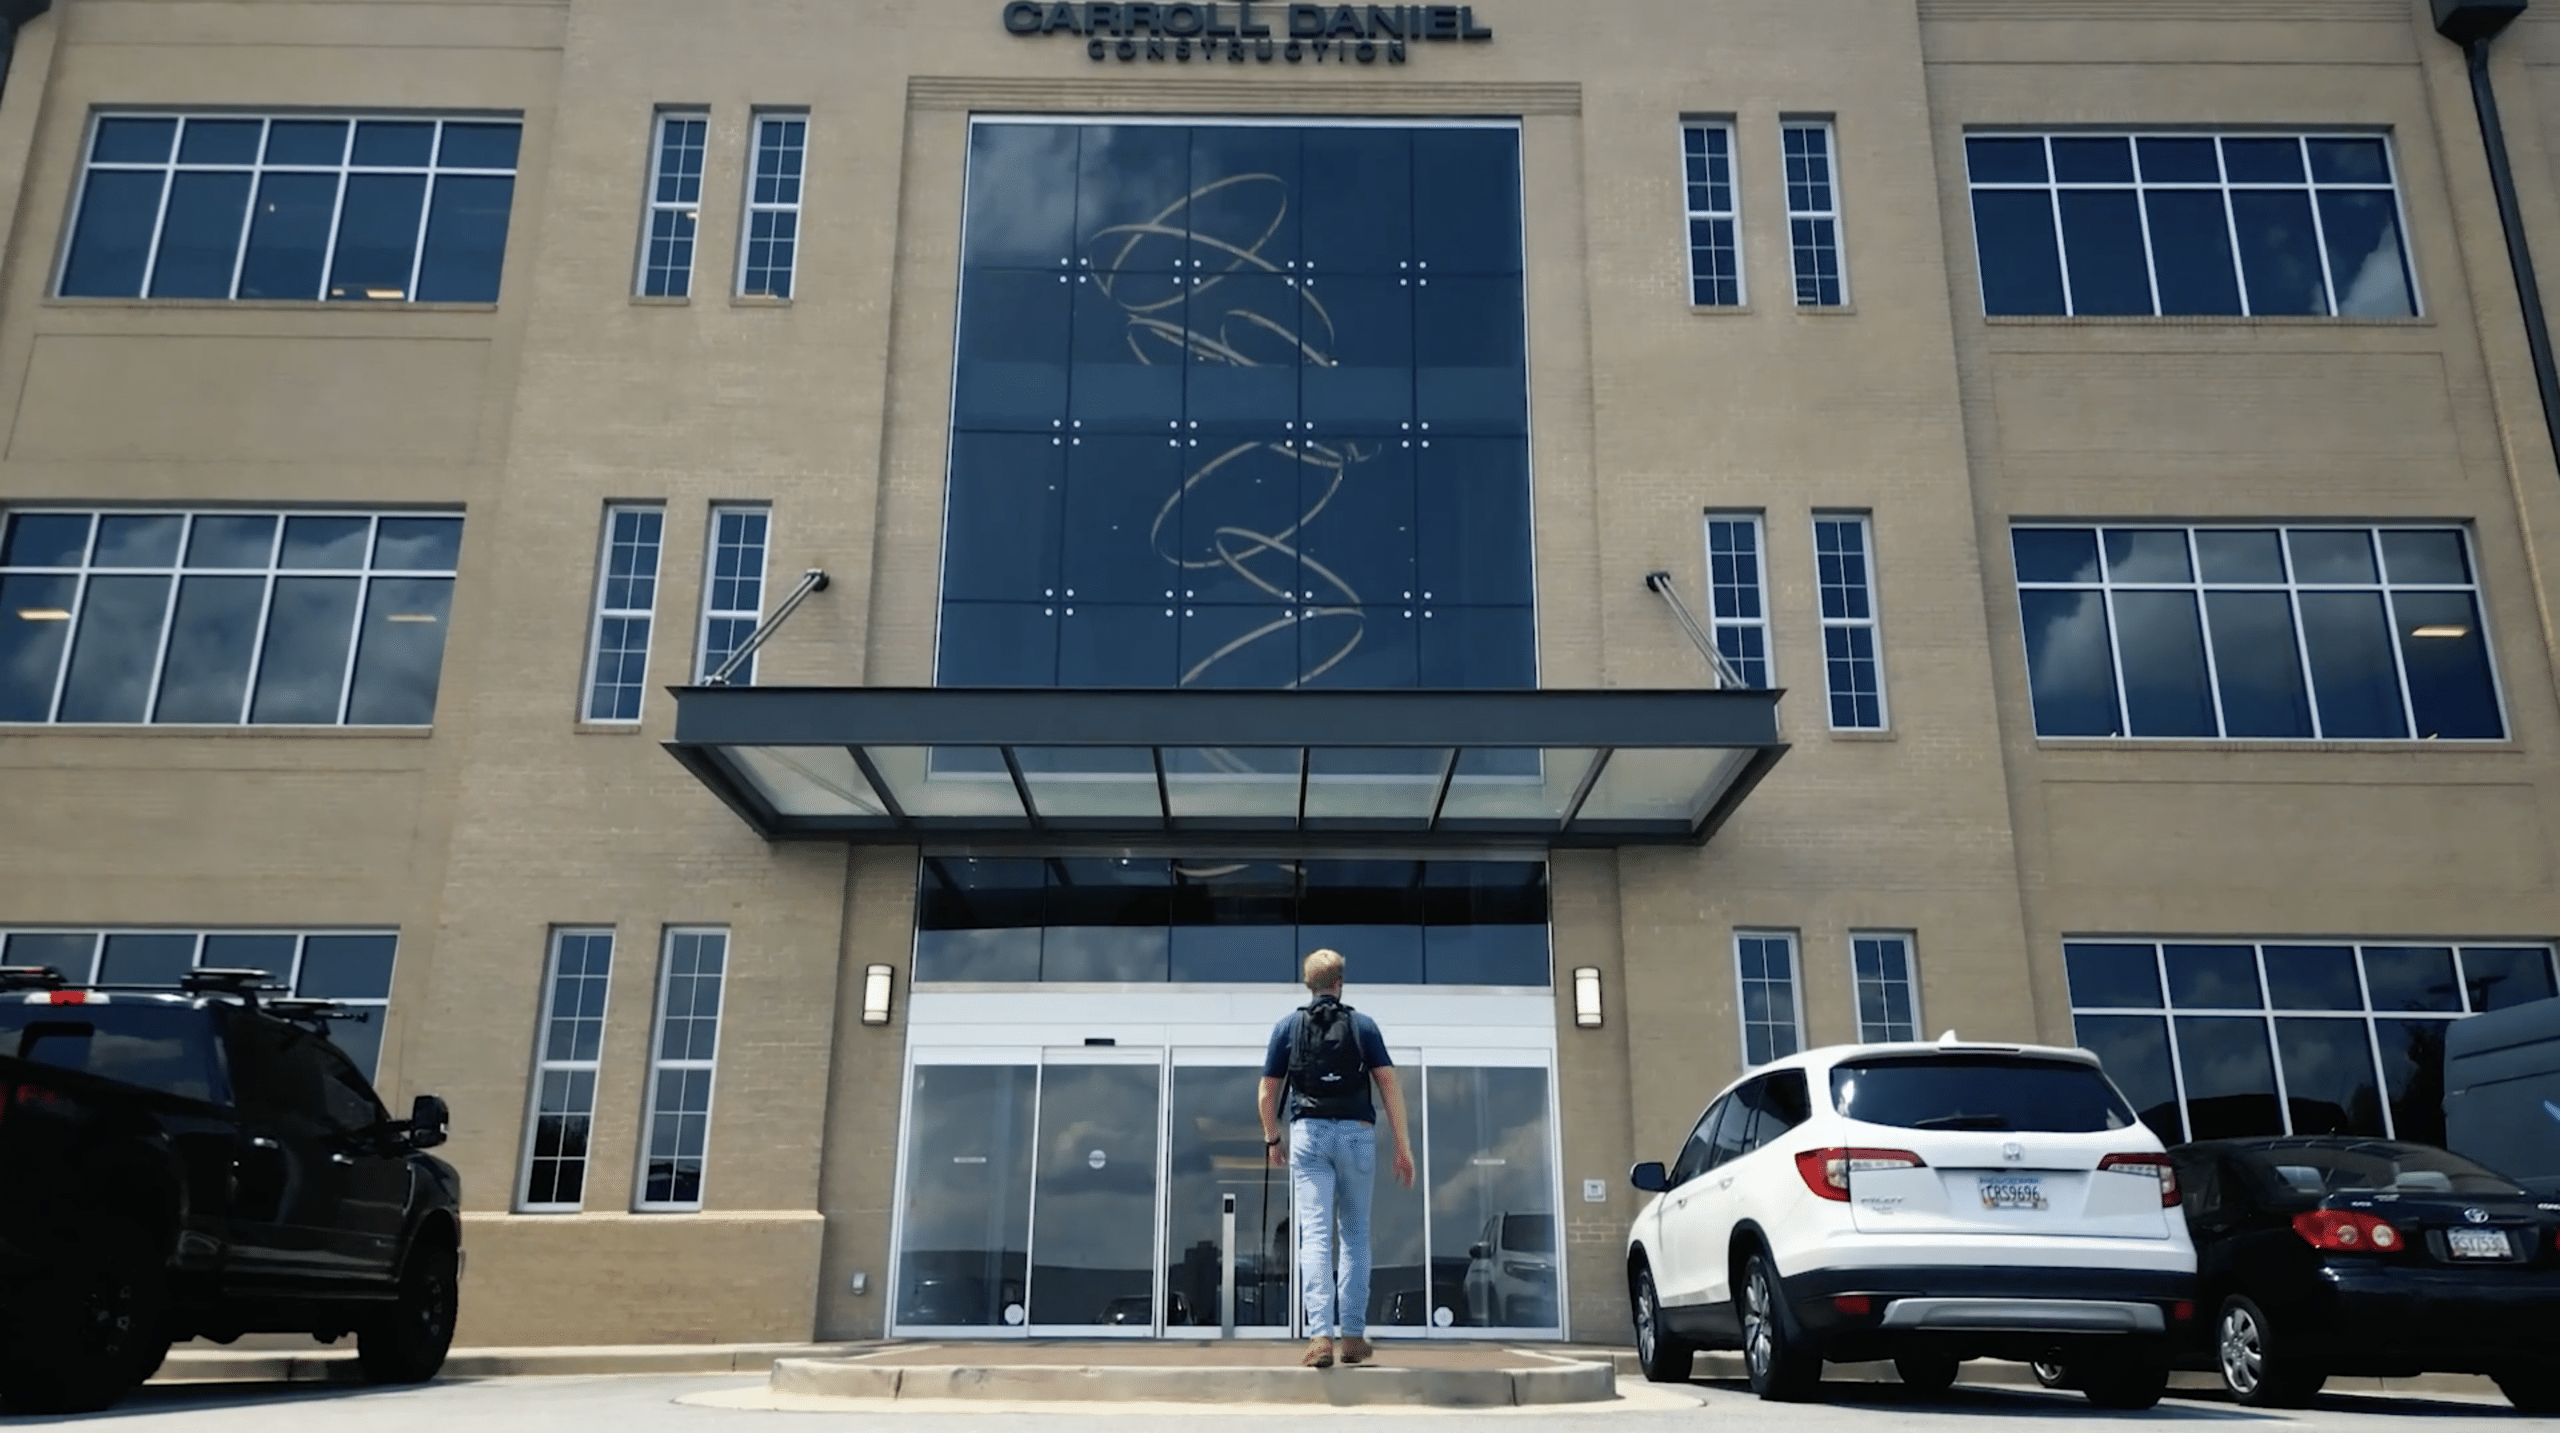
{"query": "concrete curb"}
{"type": "Point", "coordinates": [1085, 1383]}
{"type": "Point", "coordinates": [217, 1365]}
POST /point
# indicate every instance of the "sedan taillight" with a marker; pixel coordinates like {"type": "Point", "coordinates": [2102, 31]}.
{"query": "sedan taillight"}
{"type": "Point", "coordinates": [2168, 1173]}
{"type": "Point", "coordinates": [2348, 1232]}
{"type": "Point", "coordinates": [1826, 1171]}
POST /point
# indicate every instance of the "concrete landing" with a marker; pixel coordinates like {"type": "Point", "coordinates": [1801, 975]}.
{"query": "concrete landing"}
{"type": "Point", "coordinates": [1410, 1375]}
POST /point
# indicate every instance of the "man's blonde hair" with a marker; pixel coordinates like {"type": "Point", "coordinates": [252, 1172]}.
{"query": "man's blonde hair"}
{"type": "Point", "coordinates": [1324, 971]}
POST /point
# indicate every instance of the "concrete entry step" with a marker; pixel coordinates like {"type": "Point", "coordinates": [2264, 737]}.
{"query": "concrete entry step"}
{"type": "Point", "coordinates": [1410, 1374]}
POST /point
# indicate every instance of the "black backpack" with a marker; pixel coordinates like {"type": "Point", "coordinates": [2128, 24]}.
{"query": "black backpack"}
{"type": "Point", "coordinates": [1326, 1069]}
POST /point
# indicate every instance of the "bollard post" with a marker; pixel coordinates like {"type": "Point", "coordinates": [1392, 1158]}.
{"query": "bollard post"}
{"type": "Point", "coordinates": [1226, 1266]}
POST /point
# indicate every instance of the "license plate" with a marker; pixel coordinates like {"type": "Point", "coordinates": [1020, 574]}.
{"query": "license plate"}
{"type": "Point", "coordinates": [2013, 1192]}
{"type": "Point", "coordinates": [2477, 1243]}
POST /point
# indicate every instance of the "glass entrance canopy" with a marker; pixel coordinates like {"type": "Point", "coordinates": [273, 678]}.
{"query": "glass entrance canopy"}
{"type": "Point", "coordinates": [991, 766]}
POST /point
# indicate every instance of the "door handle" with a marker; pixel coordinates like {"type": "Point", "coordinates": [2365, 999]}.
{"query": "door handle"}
{"type": "Point", "coordinates": [259, 1141]}
{"type": "Point", "coordinates": [345, 1159]}
{"type": "Point", "coordinates": [1725, 1183]}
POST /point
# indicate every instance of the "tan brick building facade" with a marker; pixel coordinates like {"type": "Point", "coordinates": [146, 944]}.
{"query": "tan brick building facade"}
{"type": "Point", "coordinates": [1954, 825]}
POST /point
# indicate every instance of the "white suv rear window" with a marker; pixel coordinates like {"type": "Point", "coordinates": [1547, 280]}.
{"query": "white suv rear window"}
{"type": "Point", "coordinates": [1991, 1092]}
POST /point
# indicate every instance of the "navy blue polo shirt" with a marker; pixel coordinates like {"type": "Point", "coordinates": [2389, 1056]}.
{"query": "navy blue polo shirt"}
{"type": "Point", "coordinates": [1373, 1048]}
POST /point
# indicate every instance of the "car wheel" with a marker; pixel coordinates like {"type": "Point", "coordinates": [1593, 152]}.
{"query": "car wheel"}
{"type": "Point", "coordinates": [99, 1322]}
{"type": "Point", "coordinates": [1665, 1357]}
{"type": "Point", "coordinates": [1926, 1373]}
{"type": "Point", "coordinates": [408, 1343]}
{"type": "Point", "coordinates": [2050, 1373]}
{"type": "Point", "coordinates": [2130, 1386]}
{"type": "Point", "coordinates": [1782, 1369]}
{"type": "Point", "coordinates": [2255, 1378]}
{"type": "Point", "coordinates": [2532, 1389]}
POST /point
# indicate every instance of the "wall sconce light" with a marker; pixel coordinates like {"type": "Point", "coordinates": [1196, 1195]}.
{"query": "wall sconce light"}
{"type": "Point", "coordinates": [1586, 996]}
{"type": "Point", "coordinates": [875, 995]}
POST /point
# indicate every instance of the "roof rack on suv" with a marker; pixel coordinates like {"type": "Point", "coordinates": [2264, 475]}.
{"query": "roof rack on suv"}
{"type": "Point", "coordinates": [320, 1010]}
{"type": "Point", "coordinates": [223, 980]}
{"type": "Point", "coordinates": [30, 977]}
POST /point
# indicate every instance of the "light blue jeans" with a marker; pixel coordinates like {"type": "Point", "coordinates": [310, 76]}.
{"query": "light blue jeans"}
{"type": "Point", "coordinates": [1333, 1170]}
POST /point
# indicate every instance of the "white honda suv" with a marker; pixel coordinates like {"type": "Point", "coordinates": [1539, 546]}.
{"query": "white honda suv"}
{"type": "Point", "coordinates": [1921, 1203]}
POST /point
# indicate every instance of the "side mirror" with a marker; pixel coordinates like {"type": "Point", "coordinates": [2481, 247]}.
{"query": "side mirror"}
{"type": "Point", "coordinates": [1475, 1251]}
{"type": "Point", "coordinates": [1650, 1177]}
{"type": "Point", "coordinates": [428, 1119]}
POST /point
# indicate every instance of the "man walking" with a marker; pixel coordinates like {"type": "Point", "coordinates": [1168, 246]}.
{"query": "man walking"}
{"type": "Point", "coordinates": [1328, 1055]}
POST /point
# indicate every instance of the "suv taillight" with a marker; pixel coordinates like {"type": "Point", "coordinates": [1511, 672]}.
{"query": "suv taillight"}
{"type": "Point", "coordinates": [1826, 1171]}
{"type": "Point", "coordinates": [2168, 1173]}
{"type": "Point", "coordinates": [2348, 1232]}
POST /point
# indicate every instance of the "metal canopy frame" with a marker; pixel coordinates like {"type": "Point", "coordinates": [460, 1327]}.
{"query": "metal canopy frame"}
{"type": "Point", "coordinates": [1544, 769]}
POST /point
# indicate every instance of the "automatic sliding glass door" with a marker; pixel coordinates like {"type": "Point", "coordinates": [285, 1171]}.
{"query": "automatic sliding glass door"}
{"type": "Point", "coordinates": [1213, 1147]}
{"type": "Point", "coordinates": [963, 1245]}
{"type": "Point", "coordinates": [1093, 1197]}
{"type": "Point", "coordinates": [1495, 1244]}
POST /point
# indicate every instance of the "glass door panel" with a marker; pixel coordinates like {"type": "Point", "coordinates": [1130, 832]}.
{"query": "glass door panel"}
{"type": "Point", "coordinates": [1494, 1239]}
{"type": "Point", "coordinates": [1397, 1296]}
{"type": "Point", "coordinates": [1214, 1147]}
{"type": "Point", "coordinates": [961, 1255]}
{"type": "Point", "coordinates": [1093, 1209]}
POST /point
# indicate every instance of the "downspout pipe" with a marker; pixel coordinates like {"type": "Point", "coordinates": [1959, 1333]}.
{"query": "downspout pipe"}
{"type": "Point", "coordinates": [2473, 24]}
{"type": "Point", "coordinates": [14, 13]}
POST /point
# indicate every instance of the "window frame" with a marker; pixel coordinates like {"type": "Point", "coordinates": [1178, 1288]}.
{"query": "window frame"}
{"type": "Point", "coordinates": [1828, 128]}
{"type": "Point", "coordinates": [1793, 944]}
{"type": "Point", "coordinates": [257, 169]}
{"type": "Point", "coordinates": [704, 662]}
{"type": "Point", "coordinates": [2106, 585]}
{"type": "Point", "coordinates": [544, 1065]}
{"type": "Point", "coordinates": [2224, 186]}
{"type": "Point", "coordinates": [1718, 621]}
{"type": "Point", "coordinates": [659, 1063]}
{"type": "Point", "coordinates": [1910, 983]}
{"type": "Point", "coordinates": [1730, 216]}
{"type": "Point", "coordinates": [653, 205]}
{"type": "Point", "coordinates": [274, 572]}
{"type": "Point", "coordinates": [379, 1007]}
{"type": "Point", "coordinates": [600, 613]}
{"type": "Point", "coordinates": [1872, 624]}
{"type": "Point", "coordinates": [757, 124]}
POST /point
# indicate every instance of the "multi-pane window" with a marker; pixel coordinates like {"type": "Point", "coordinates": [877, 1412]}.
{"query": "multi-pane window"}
{"type": "Point", "coordinates": [626, 611]}
{"type": "Point", "coordinates": [681, 1056]}
{"type": "Point", "coordinates": [1737, 595]}
{"type": "Point", "coordinates": [2223, 1039]}
{"type": "Point", "coordinates": [1852, 671]}
{"type": "Point", "coordinates": [1772, 1021]}
{"type": "Point", "coordinates": [772, 241]}
{"type": "Point", "coordinates": [220, 618]}
{"type": "Point", "coordinates": [2298, 632]}
{"type": "Point", "coordinates": [386, 210]}
{"type": "Point", "coordinates": [564, 1078]}
{"type": "Point", "coordinates": [1888, 987]}
{"type": "Point", "coordinates": [1813, 214]}
{"type": "Point", "coordinates": [347, 967]}
{"type": "Point", "coordinates": [675, 206]}
{"type": "Point", "coordinates": [2189, 224]}
{"type": "Point", "coordinates": [733, 589]}
{"type": "Point", "coordinates": [1715, 243]}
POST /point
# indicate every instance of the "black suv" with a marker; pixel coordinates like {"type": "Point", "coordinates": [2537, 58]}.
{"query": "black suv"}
{"type": "Point", "coordinates": [204, 1164]}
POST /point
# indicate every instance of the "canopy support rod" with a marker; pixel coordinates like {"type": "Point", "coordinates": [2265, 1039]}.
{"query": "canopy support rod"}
{"type": "Point", "coordinates": [1661, 585]}
{"type": "Point", "coordinates": [813, 580]}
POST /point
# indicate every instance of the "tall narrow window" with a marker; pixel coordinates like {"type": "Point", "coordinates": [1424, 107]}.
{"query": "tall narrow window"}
{"type": "Point", "coordinates": [626, 605]}
{"type": "Point", "coordinates": [772, 246]}
{"type": "Point", "coordinates": [1772, 1024]}
{"type": "Point", "coordinates": [1715, 245]}
{"type": "Point", "coordinates": [1813, 215]}
{"type": "Point", "coordinates": [680, 1066]}
{"type": "Point", "coordinates": [564, 1080]}
{"type": "Point", "coordinates": [1888, 989]}
{"type": "Point", "coordinates": [1852, 672]}
{"type": "Point", "coordinates": [1737, 595]}
{"type": "Point", "coordinates": [675, 206]}
{"type": "Point", "coordinates": [733, 589]}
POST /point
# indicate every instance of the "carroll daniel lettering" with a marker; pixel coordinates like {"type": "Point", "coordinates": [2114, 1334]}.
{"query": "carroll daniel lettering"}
{"type": "Point", "coordinates": [1255, 30]}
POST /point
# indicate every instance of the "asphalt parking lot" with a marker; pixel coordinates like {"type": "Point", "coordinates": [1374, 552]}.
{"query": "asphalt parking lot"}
{"type": "Point", "coordinates": [723, 1404]}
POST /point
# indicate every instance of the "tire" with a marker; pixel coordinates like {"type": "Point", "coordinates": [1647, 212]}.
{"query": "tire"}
{"type": "Point", "coordinates": [95, 1323]}
{"type": "Point", "coordinates": [2254, 1377]}
{"type": "Point", "coordinates": [408, 1343]}
{"type": "Point", "coordinates": [1782, 1369]}
{"type": "Point", "coordinates": [1926, 1372]}
{"type": "Point", "coordinates": [2131, 1387]}
{"type": "Point", "coordinates": [1664, 1356]}
{"type": "Point", "coordinates": [2050, 1373]}
{"type": "Point", "coordinates": [2532, 1389]}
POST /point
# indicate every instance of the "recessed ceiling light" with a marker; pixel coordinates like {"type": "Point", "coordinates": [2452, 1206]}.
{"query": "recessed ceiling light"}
{"type": "Point", "coordinates": [43, 614]}
{"type": "Point", "coordinates": [411, 617]}
{"type": "Point", "coordinates": [2441, 629]}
